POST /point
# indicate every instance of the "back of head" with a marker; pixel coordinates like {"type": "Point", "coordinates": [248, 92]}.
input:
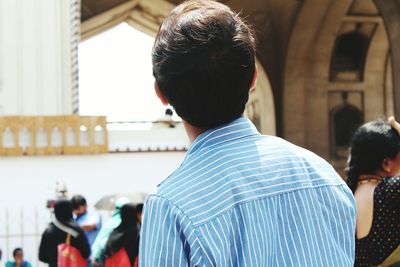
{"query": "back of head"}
{"type": "Point", "coordinates": [128, 215]}
{"type": "Point", "coordinates": [125, 235]}
{"type": "Point", "coordinates": [204, 62]}
{"type": "Point", "coordinates": [370, 145]}
{"type": "Point", "coordinates": [78, 201]}
{"type": "Point", "coordinates": [63, 210]}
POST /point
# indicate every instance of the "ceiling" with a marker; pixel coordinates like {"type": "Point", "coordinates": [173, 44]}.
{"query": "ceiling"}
{"type": "Point", "coordinates": [273, 21]}
{"type": "Point", "coordinates": [92, 8]}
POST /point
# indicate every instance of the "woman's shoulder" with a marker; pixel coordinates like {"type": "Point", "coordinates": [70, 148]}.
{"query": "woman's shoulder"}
{"type": "Point", "coordinates": [388, 189]}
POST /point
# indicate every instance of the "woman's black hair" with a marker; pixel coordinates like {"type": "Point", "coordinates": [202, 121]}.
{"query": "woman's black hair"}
{"type": "Point", "coordinates": [125, 235]}
{"type": "Point", "coordinates": [370, 145]}
{"type": "Point", "coordinates": [63, 213]}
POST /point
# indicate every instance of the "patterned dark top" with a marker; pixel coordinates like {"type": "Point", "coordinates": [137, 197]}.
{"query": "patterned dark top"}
{"type": "Point", "coordinates": [384, 236]}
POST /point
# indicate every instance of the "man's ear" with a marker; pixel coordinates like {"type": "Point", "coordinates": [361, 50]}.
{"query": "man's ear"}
{"type": "Point", "coordinates": [160, 95]}
{"type": "Point", "coordinates": [254, 81]}
{"type": "Point", "coordinates": [386, 165]}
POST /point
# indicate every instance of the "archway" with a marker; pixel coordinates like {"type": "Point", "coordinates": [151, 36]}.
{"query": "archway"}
{"type": "Point", "coordinates": [390, 12]}
{"type": "Point", "coordinates": [146, 16]}
{"type": "Point", "coordinates": [261, 108]}
{"type": "Point", "coordinates": [310, 91]}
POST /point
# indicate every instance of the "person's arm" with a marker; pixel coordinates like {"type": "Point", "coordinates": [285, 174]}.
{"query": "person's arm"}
{"type": "Point", "coordinates": [43, 248]}
{"type": "Point", "coordinates": [100, 243]}
{"type": "Point", "coordinates": [93, 223]}
{"type": "Point", "coordinates": [395, 125]}
{"type": "Point", "coordinates": [167, 237]}
{"type": "Point", "coordinates": [88, 227]}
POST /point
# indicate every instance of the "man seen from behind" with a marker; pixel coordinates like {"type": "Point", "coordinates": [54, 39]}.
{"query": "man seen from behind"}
{"type": "Point", "coordinates": [239, 198]}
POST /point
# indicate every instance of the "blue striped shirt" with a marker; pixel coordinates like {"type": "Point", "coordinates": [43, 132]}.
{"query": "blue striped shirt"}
{"type": "Point", "coordinates": [244, 199]}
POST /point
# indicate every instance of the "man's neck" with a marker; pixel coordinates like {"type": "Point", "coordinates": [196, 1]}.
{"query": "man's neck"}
{"type": "Point", "coordinates": [192, 131]}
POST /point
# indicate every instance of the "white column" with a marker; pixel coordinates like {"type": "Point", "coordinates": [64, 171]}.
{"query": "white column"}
{"type": "Point", "coordinates": [37, 41]}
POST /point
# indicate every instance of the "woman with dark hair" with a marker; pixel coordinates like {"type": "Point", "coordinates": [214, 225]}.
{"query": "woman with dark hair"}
{"type": "Point", "coordinates": [125, 236]}
{"type": "Point", "coordinates": [56, 233]}
{"type": "Point", "coordinates": [373, 169]}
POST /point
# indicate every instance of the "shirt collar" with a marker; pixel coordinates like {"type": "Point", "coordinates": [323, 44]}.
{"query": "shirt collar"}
{"type": "Point", "coordinates": [238, 128]}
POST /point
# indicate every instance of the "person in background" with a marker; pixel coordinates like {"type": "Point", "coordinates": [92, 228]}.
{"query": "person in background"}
{"type": "Point", "coordinates": [99, 244]}
{"type": "Point", "coordinates": [139, 210]}
{"type": "Point", "coordinates": [89, 221]}
{"type": "Point", "coordinates": [19, 261]}
{"type": "Point", "coordinates": [1, 254]}
{"type": "Point", "coordinates": [372, 175]}
{"type": "Point", "coordinates": [125, 235]}
{"type": "Point", "coordinates": [239, 198]}
{"type": "Point", "coordinates": [54, 235]}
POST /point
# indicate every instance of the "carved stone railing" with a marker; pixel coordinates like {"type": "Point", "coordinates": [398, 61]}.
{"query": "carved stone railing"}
{"type": "Point", "coordinates": [53, 135]}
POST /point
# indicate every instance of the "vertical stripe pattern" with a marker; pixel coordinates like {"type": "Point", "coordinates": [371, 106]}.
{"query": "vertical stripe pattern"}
{"type": "Point", "coordinates": [243, 199]}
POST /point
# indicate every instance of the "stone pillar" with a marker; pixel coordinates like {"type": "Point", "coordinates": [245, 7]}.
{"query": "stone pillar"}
{"type": "Point", "coordinates": [390, 12]}
{"type": "Point", "coordinates": [38, 57]}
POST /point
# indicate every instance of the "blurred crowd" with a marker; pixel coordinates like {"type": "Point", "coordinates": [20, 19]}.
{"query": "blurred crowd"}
{"type": "Point", "coordinates": [79, 231]}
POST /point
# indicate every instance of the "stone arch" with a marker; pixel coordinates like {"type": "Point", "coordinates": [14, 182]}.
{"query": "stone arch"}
{"type": "Point", "coordinates": [390, 12]}
{"type": "Point", "coordinates": [307, 83]}
{"type": "Point", "coordinates": [146, 17]}
{"type": "Point", "coordinates": [349, 55]}
{"type": "Point", "coordinates": [263, 97]}
{"type": "Point", "coordinates": [297, 68]}
{"type": "Point", "coordinates": [344, 120]}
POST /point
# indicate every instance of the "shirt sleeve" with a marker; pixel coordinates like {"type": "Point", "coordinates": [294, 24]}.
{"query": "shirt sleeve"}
{"type": "Point", "coordinates": [168, 238]}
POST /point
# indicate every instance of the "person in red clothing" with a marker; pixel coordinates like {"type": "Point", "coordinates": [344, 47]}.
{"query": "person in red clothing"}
{"type": "Point", "coordinates": [373, 176]}
{"type": "Point", "coordinates": [125, 236]}
{"type": "Point", "coordinates": [55, 234]}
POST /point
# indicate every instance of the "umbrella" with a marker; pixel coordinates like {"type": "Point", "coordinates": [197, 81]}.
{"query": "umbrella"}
{"type": "Point", "coordinates": [108, 202]}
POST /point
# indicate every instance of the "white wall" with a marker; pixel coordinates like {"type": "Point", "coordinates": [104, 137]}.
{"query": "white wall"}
{"type": "Point", "coordinates": [27, 182]}
{"type": "Point", "coordinates": [35, 57]}
{"type": "Point", "coordinates": [30, 181]}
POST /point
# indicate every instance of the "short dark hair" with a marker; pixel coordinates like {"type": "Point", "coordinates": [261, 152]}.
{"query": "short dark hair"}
{"type": "Point", "coordinates": [370, 145]}
{"type": "Point", "coordinates": [204, 62]}
{"type": "Point", "coordinates": [16, 250]}
{"type": "Point", "coordinates": [139, 208]}
{"type": "Point", "coordinates": [77, 201]}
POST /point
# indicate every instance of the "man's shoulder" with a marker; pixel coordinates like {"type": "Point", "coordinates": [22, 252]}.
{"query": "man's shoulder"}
{"type": "Point", "coordinates": [216, 179]}
{"type": "Point", "coordinates": [222, 159]}
{"type": "Point", "coordinates": [165, 207]}
{"type": "Point", "coordinates": [203, 158]}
